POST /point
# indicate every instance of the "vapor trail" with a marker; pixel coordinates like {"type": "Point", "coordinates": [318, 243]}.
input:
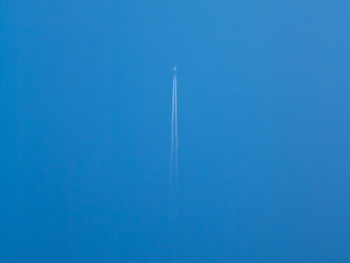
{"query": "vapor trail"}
{"type": "Point", "coordinates": [174, 134]}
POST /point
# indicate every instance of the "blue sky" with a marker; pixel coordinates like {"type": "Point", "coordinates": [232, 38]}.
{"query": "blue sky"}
{"type": "Point", "coordinates": [264, 144]}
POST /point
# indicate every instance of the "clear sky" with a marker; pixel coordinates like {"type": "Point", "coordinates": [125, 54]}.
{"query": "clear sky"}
{"type": "Point", "coordinates": [264, 146]}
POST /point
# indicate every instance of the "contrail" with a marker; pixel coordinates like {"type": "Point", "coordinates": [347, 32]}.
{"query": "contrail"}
{"type": "Point", "coordinates": [174, 135]}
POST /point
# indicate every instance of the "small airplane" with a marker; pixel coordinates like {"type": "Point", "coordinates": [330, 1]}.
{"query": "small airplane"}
{"type": "Point", "coordinates": [175, 68]}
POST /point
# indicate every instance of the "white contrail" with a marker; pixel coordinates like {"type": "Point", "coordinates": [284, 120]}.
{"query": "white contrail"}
{"type": "Point", "coordinates": [174, 135]}
{"type": "Point", "coordinates": [172, 132]}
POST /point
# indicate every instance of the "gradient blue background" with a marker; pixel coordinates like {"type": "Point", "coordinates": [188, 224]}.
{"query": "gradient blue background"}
{"type": "Point", "coordinates": [263, 131]}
